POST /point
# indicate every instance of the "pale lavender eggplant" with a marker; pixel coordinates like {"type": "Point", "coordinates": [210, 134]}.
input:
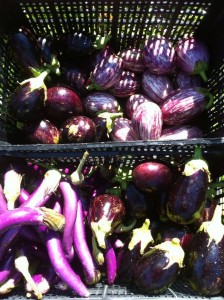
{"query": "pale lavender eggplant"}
{"type": "Point", "coordinates": [156, 87]}
{"type": "Point", "coordinates": [106, 73]}
{"type": "Point", "coordinates": [158, 54]}
{"type": "Point", "coordinates": [110, 262]}
{"type": "Point", "coordinates": [133, 102]}
{"type": "Point", "coordinates": [127, 85]}
{"type": "Point", "coordinates": [3, 202]}
{"type": "Point", "coordinates": [147, 121]}
{"type": "Point", "coordinates": [70, 200]}
{"type": "Point", "coordinates": [183, 105]}
{"type": "Point", "coordinates": [133, 60]}
{"type": "Point", "coordinates": [62, 266]}
{"type": "Point", "coordinates": [182, 132]}
{"type": "Point", "coordinates": [92, 274]}
{"type": "Point", "coordinates": [6, 267]}
{"type": "Point", "coordinates": [185, 80]}
{"type": "Point", "coordinates": [96, 102]}
{"type": "Point", "coordinates": [192, 56]}
{"type": "Point", "coordinates": [123, 131]}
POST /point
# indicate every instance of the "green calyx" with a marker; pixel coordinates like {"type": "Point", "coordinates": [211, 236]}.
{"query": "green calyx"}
{"type": "Point", "coordinates": [209, 97]}
{"type": "Point", "coordinates": [37, 82]}
{"type": "Point", "coordinates": [101, 41]}
{"type": "Point", "coordinates": [101, 230]}
{"type": "Point", "coordinates": [110, 118]}
{"type": "Point", "coordinates": [200, 68]}
{"type": "Point", "coordinates": [77, 176]}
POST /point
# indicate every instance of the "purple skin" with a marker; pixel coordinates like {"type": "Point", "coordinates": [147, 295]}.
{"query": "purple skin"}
{"type": "Point", "coordinates": [181, 132]}
{"type": "Point", "coordinates": [27, 233]}
{"type": "Point", "coordinates": [185, 80]}
{"type": "Point", "coordinates": [92, 275]}
{"type": "Point", "coordinates": [156, 87]}
{"type": "Point", "coordinates": [69, 211]}
{"type": "Point", "coordinates": [6, 267]}
{"type": "Point", "coordinates": [192, 56]}
{"type": "Point", "coordinates": [15, 278]}
{"type": "Point", "coordinates": [132, 60]}
{"type": "Point", "coordinates": [96, 102]}
{"type": "Point", "coordinates": [123, 131]}
{"type": "Point", "coordinates": [181, 106]}
{"type": "Point", "coordinates": [3, 202]}
{"type": "Point", "coordinates": [110, 262]}
{"type": "Point", "coordinates": [133, 102]}
{"type": "Point", "coordinates": [128, 85]}
{"type": "Point", "coordinates": [75, 78]}
{"type": "Point", "coordinates": [99, 56]}
{"type": "Point", "coordinates": [106, 73]}
{"type": "Point", "coordinates": [78, 129]}
{"type": "Point", "coordinates": [23, 196]}
{"type": "Point", "coordinates": [7, 239]}
{"type": "Point", "coordinates": [158, 55]}
{"type": "Point", "coordinates": [62, 266]}
{"type": "Point", "coordinates": [62, 103]}
{"type": "Point", "coordinates": [147, 121]}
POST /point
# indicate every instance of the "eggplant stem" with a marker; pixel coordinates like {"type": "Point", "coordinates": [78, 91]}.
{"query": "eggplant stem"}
{"type": "Point", "coordinates": [125, 228]}
{"type": "Point", "coordinates": [97, 254]}
{"type": "Point", "coordinates": [77, 177]}
{"type": "Point", "coordinates": [197, 153]}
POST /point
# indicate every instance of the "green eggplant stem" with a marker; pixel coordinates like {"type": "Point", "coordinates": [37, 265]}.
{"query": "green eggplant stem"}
{"type": "Point", "coordinates": [77, 177]}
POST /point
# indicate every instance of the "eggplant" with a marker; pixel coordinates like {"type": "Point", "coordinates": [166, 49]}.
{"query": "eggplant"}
{"type": "Point", "coordinates": [184, 105]}
{"type": "Point", "coordinates": [77, 44]}
{"type": "Point", "coordinates": [62, 103]}
{"type": "Point", "coordinates": [152, 176]}
{"type": "Point", "coordinates": [98, 101]}
{"type": "Point", "coordinates": [75, 77]}
{"type": "Point", "coordinates": [132, 60]}
{"type": "Point", "coordinates": [192, 56]}
{"type": "Point", "coordinates": [106, 73]}
{"type": "Point", "coordinates": [78, 129]}
{"type": "Point", "coordinates": [158, 54]}
{"type": "Point", "coordinates": [158, 268]}
{"type": "Point", "coordinates": [181, 132]}
{"type": "Point", "coordinates": [100, 55]}
{"type": "Point", "coordinates": [123, 130]}
{"type": "Point", "coordinates": [184, 80]}
{"type": "Point", "coordinates": [106, 212]}
{"type": "Point", "coordinates": [101, 129]}
{"type": "Point", "coordinates": [147, 121]}
{"type": "Point", "coordinates": [133, 102]}
{"type": "Point", "coordinates": [156, 87]}
{"type": "Point", "coordinates": [187, 196]}
{"type": "Point", "coordinates": [204, 263]}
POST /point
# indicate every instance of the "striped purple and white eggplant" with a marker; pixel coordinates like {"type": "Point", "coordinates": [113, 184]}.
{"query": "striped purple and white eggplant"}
{"type": "Point", "coordinates": [156, 87]}
{"type": "Point", "coordinates": [133, 60]}
{"type": "Point", "coordinates": [128, 85]}
{"type": "Point", "coordinates": [192, 56]}
{"type": "Point", "coordinates": [123, 130]}
{"type": "Point", "coordinates": [106, 73]}
{"type": "Point", "coordinates": [147, 121]}
{"type": "Point", "coordinates": [184, 80]}
{"type": "Point", "coordinates": [133, 102]}
{"type": "Point", "coordinates": [182, 132]}
{"type": "Point", "coordinates": [184, 105]}
{"type": "Point", "coordinates": [158, 55]}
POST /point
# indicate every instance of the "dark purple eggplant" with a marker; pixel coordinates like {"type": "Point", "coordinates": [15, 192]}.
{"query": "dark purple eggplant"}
{"type": "Point", "coordinates": [75, 77]}
{"type": "Point", "coordinates": [42, 132]}
{"type": "Point", "coordinates": [106, 212]}
{"type": "Point", "coordinates": [45, 44]}
{"type": "Point", "coordinates": [128, 84]}
{"type": "Point", "coordinates": [185, 80]}
{"type": "Point", "coordinates": [187, 196]}
{"type": "Point", "coordinates": [106, 73]}
{"type": "Point", "coordinates": [133, 102]}
{"type": "Point", "coordinates": [158, 268]}
{"type": "Point", "coordinates": [147, 121]}
{"type": "Point", "coordinates": [101, 129]}
{"type": "Point", "coordinates": [134, 247]}
{"type": "Point", "coordinates": [156, 87]}
{"type": "Point", "coordinates": [28, 99]}
{"type": "Point", "coordinates": [181, 132]}
{"type": "Point", "coordinates": [100, 55]}
{"type": "Point", "coordinates": [192, 56]}
{"type": "Point", "coordinates": [158, 54]}
{"type": "Point", "coordinates": [62, 103]}
{"type": "Point", "coordinates": [152, 176]}
{"type": "Point", "coordinates": [204, 263]}
{"type": "Point", "coordinates": [26, 51]}
{"type": "Point", "coordinates": [122, 130]}
{"type": "Point", "coordinates": [184, 105]}
{"type": "Point", "coordinates": [133, 60]}
{"type": "Point", "coordinates": [78, 129]}
{"type": "Point", "coordinates": [96, 102]}
{"type": "Point", "coordinates": [77, 44]}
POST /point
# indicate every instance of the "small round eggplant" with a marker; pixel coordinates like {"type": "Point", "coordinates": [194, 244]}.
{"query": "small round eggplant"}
{"type": "Point", "coordinates": [158, 54]}
{"type": "Point", "coordinates": [192, 56]}
{"type": "Point", "coordinates": [62, 103]}
{"type": "Point", "coordinates": [123, 131]}
{"type": "Point", "coordinates": [78, 129]}
{"type": "Point", "coordinates": [152, 176]}
{"type": "Point", "coordinates": [156, 87]}
{"type": "Point", "coordinates": [100, 55]}
{"type": "Point", "coordinates": [106, 73]}
{"type": "Point", "coordinates": [76, 78]}
{"type": "Point", "coordinates": [132, 60]}
{"type": "Point", "coordinates": [147, 121]}
{"type": "Point", "coordinates": [133, 102]}
{"type": "Point", "coordinates": [128, 85]}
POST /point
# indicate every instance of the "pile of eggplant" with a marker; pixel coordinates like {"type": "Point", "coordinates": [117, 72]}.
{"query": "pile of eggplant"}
{"type": "Point", "coordinates": [77, 89]}
{"type": "Point", "coordinates": [72, 225]}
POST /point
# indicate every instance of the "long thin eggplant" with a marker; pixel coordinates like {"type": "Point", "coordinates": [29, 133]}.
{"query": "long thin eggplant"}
{"type": "Point", "coordinates": [110, 262]}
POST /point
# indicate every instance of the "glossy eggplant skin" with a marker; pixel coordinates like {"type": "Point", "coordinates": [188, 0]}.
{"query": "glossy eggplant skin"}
{"type": "Point", "coordinates": [187, 197]}
{"type": "Point", "coordinates": [204, 265]}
